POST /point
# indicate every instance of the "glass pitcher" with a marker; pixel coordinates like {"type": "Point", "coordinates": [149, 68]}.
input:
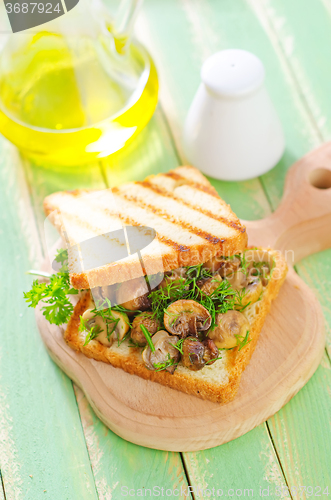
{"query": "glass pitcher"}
{"type": "Point", "coordinates": [76, 88]}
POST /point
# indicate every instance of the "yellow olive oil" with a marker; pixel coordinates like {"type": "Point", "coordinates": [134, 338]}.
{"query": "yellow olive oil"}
{"type": "Point", "coordinates": [72, 100]}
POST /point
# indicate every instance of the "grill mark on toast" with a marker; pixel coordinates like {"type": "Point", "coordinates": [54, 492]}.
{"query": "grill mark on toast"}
{"type": "Point", "coordinates": [219, 218]}
{"type": "Point", "coordinates": [128, 221]}
{"type": "Point", "coordinates": [176, 177]}
{"type": "Point", "coordinates": [189, 227]}
{"type": "Point", "coordinates": [163, 239]}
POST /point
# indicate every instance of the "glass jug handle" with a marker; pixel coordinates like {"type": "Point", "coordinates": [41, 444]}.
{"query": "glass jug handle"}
{"type": "Point", "coordinates": [124, 23]}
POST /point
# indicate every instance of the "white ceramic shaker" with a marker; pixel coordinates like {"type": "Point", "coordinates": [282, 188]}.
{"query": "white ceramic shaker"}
{"type": "Point", "coordinates": [232, 131]}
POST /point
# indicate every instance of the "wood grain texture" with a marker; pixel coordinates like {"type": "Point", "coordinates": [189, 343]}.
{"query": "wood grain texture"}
{"type": "Point", "coordinates": [119, 466]}
{"type": "Point", "coordinates": [300, 226]}
{"type": "Point", "coordinates": [112, 469]}
{"type": "Point", "coordinates": [182, 33]}
{"type": "Point", "coordinates": [2, 491]}
{"type": "Point", "coordinates": [203, 27]}
{"type": "Point", "coordinates": [287, 354]}
{"type": "Point", "coordinates": [302, 446]}
{"type": "Point", "coordinates": [37, 452]}
{"type": "Point", "coordinates": [118, 409]}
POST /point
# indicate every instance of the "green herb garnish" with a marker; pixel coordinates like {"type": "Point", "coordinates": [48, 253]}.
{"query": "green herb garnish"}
{"type": "Point", "coordinates": [148, 337]}
{"type": "Point", "coordinates": [92, 333]}
{"type": "Point", "coordinates": [212, 360]}
{"type": "Point", "coordinates": [58, 308]}
{"type": "Point", "coordinates": [164, 365]}
{"type": "Point", "coordinates": [105, 311]}
{"type": "Point", "coordinates": [220, 301]}
{"type": "Point", "coordinates": [178, 345]}
{"type": "Point", "coordinates": [242, 341]}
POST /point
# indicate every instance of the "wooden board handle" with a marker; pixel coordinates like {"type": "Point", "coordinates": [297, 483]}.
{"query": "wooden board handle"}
{"type": "Point", "coordinates": [301, 225]}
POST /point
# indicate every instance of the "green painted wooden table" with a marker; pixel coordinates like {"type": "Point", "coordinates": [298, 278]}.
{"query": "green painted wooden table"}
{"type": "Point", "coordinates": [52, 446]}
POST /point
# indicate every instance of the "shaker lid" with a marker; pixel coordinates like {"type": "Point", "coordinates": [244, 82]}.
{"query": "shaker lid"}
{"type": "Point", "coordinates": [232, 73]}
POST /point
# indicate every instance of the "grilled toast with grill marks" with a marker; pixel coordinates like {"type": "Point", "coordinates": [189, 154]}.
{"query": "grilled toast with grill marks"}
{"type": "Point", "coordinates": [192, 222]}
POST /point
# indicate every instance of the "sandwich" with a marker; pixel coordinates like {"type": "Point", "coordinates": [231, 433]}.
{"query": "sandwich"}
{"type": "Point", "coordinates": [184, 308]}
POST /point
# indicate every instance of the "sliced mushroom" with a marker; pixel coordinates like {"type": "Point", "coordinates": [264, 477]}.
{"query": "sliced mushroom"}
{"type": "Point", "coordinates": [238, 280]}
{"type": "Point", "coordinates": [193, 351]}
{"type": "Point", "coordinates": [149, 321]}
{"type": "Point", "coordinates": [197, 354]}
{"type": "Point", "coordinates": [165, 356]}
{"type": "Point", "coordinates": [229, 327]}
{"type": "Point", "coordinates": [211, 351]}
{"type": "Point", "coordinates": [249, 287]}
{"type": "Point", "coordinates": [133, 295]}
{"type": "Point", "coordinates": [259, 263]}
{"type": "Point", "coordinates": [224, 266]}
{"type": "Point", "coordinates": [253, 291]}
{"type": "Point", "coordinates": [114, 328]}
{"type": "Point", "coordinates": [186, 317]}
{"type": "Point", "coordinates": [101, 293]}
{"type": "Point", "coordinates": [211, 285]}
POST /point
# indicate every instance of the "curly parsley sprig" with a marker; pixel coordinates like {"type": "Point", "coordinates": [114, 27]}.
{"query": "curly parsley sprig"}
{"type": "Point", "coordinates": [57, 307]}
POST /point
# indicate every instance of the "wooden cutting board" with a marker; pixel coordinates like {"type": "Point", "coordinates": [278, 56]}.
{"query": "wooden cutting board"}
{"type": "Point", "coordinates": [288, 352]}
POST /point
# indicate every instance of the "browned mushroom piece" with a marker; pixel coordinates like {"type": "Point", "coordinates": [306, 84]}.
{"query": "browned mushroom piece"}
{"type": "Point", "coordinates": [259, 263]}
{"type": "Point", "coordinates": [224, 266]}
{"type": "Point", "coordinates": [133, 295]}
{"type": "Point", "coordinates": [193, 352]}
{"type": "Point", "coordinates": [211, 284]}
{"type": "Point", "coordinates": [238, 280]}
{"type": "Point", "coordinates": [230, 327]}
{"type": "Point", "coordinates": [186, 317]}
{"type": "Point", "coordinates": [114, 328]}
{"type": "Point", "coordinates": [253, 291]}
{"type": "Point", "coordinates": [197, 354]}
{"type": "Point", "coordinates": [249, 287]}
{"type": "Point", "coordinates": [102, 294]}
{"type": "Point", "coordinates": [211, 351]}
{"type": "Point", "coordinates": [165, 356]}
{"type": "Point", "coordinates": [149, 321]}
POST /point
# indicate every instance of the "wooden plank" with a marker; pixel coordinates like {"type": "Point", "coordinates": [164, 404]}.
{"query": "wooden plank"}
{"type": "Point", "coordinates": [120, 466]}
{"type": "Point", "coordinates": [245, 465]}
{"type": "Point", "coordinates": [199, 28]}
{"type": "Point", "coordinates": [2, 491]}
{"type": "Point", "coordinates": [301, 429]}
{"type": "Point", "coordinates": [116, 464]}
{"type": "Point", "coordinates": [306, 418]}
{"type": "Point", "coordinates": [42, 445]}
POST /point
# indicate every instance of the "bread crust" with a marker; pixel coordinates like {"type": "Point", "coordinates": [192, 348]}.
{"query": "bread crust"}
{"type": "Point", "coordinates": [184, 382]}
{"type": "Point", "coordinates": [173, 252]}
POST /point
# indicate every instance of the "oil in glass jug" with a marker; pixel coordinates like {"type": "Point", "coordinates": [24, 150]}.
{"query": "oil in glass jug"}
{"type": "Point", "coordinates": [76, 88]}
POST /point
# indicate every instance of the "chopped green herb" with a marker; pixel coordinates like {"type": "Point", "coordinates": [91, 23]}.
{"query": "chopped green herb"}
{"type": "Point", "coordinates": [92, 332]}
{"type": "Point", "coordinates": [148, 337]}
{"type": "Point", "coordinates": [220, 301]}
{"type": "Point", "coordinates": [178, 345]}
{"type": "Point", "coordinates": [212, 360]}
{"type": "Point", "coordinates": [163, 366]}
{"type": "Point", "coordinates": [242, 341]}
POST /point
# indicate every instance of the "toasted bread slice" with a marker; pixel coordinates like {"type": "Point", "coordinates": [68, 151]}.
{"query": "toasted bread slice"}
{"type": "Point", "coordinates": [192, 223]}
{"type": "Point", "coordinates": [218, 382]}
